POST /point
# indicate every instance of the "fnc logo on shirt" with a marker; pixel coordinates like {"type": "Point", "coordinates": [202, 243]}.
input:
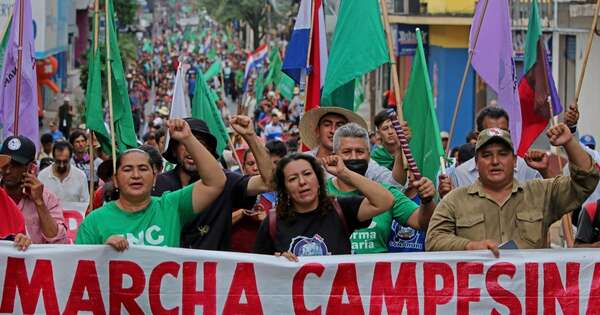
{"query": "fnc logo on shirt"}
{"type": "Point", "coordinates": [308, 246]}
{"type": "Point", "coordinates": [151, 236]}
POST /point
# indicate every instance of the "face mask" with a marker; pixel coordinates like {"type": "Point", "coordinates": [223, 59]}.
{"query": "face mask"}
{"type": "Point", "coordinates": [357, 166]}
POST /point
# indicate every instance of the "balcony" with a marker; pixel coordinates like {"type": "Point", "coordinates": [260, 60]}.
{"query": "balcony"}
{"type": "Point", "coordinates": [460, 12]}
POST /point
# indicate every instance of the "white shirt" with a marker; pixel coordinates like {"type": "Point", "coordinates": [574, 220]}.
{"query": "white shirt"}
{"type": "Point", "coordinates": [74, 188]}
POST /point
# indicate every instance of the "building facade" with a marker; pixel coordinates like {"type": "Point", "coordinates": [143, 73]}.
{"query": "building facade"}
{"type": "Point", "coordinates": [447, 25]}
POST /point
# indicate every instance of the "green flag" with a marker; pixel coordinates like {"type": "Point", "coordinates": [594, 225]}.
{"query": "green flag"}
{"type": "Point", "coordinates": [124, 131]}
{"type": "Point", "coordinates": [201, 36]}
{"type": "Point", "coordinates": [275, 64]}
{"type": "Point", "coordinates": [259, 85]}
{"type": "Point", "coordinates": [358, 47]}
{"type": "Point", "coordinates": [187, 35]}
{"type": "Point", "coordinates": [419, 112]}
{"type": "Point", "coordinates": [212, 53]}
{"type": "Point", "coordinates": [204, 107]}
{"type": "Point", "coordinates": [286, 86]}
{"type": "Point", "coordinates": [213, 71]}
{"type": "Point", "coordinates": [94, 113]}
{"type": "Point", "coordinates": [147, 46]}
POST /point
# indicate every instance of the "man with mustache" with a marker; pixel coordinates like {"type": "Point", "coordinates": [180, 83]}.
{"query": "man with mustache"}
{"type": "Point", "coordinates": [68, 183]}
{"type": "Point", "coordinates": [498, 208]}
{"type": "Point", "coordinates": [44, 219]}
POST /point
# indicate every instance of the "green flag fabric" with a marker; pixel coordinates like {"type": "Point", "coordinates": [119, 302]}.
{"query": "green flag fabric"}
{"type": "Point", "coordinates": [147, 46]}
{"type": "Point", "coordinates": [259, 85]}
{"type": "Point", "coordinates": [124, 131]}
{"type": "Point", "coordinates": [358, 47]}
{"type": "Point", "coordinates": [212, 54]}
{"type": "Point", "coordinates": [534, 32]}
{"type": "Point", "coordinates": [419, 112]}
{"type": "Point", "coordinates": [213, 71]}
{"type": "Point", "coordinates": [275, 64]}
{"type": "Point", "coordinates": [94, 112]}
{"type": "Point", "coordinates": [204, 107]}
{"type": "Point", "coordinates": [286, 86]}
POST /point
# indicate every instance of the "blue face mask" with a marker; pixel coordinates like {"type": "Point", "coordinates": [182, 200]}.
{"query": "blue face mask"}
{"type": "Point", "coordinates": [227, 71]}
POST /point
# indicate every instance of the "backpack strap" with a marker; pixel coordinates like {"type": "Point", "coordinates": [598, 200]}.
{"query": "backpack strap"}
{"type": "Point", "coordinates": [272, 223]}
{"type": "Point", "coordinates": [340, 213]}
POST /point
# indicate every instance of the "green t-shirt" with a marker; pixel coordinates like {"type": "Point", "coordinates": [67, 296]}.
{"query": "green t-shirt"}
{"type": "Point", "coordinates": [383, 157]}
{"type": "Point", "coordinates": [157, 225]}
{"type": "Point", "coordinates": [374, 239]}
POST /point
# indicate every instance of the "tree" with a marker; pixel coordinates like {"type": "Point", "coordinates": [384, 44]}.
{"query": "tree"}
{"type": "Point", "coordinates": [257, 13]}
{"type": "Point", "coordinates": [126, 11]}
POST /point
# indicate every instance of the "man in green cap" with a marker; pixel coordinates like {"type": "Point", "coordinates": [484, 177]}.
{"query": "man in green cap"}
{"type": "Point", "coordinates": [497, 208]}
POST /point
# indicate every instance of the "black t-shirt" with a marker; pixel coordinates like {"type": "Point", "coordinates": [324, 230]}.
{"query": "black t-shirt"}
{"type": "Point", "coordinates": [313, 233]}
{"type": "Point", "coordinates": [211, 229]}
{"type": "Point", "coordinates": [588, 228]}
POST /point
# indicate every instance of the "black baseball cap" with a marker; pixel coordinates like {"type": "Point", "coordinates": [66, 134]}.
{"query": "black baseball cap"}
{"type": "Point", "coordinates": [199, 129]}
{"type": "Point", "coordinates": [20, 149]}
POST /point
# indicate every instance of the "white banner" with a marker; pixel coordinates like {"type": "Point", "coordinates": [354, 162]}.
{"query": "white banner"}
{"type": "Point", "coordinates": [53, 279]}
{"type": "Point", "coordinates": [73, 213]}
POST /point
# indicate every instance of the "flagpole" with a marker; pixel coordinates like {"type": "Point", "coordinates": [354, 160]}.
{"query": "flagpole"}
{"type": "Point", "coordinates": [310, 35]}
{"type": "Point", "coordinates": [237, 159]}
{"type": "Point", "coordinates": [307, 75]}
{"type": "Point", "coordinates": [91, 153]}
{"type": "Point", "coordinates": [587, 52]}
{"type": "Point", "coordinates": [566, 219]}
{"type": "Point", "coordinates": [235, 156]}
{"type": "Point", "coordinates": [19, 74]}
{"type": "Point", "coordinates": [109, 76]}
{"type": "Point", "coordinates": [464, 79]}
{"type": "Point", "coordinates": [395, 80]}
{"type": "Point", "coordinates": [398, 113]}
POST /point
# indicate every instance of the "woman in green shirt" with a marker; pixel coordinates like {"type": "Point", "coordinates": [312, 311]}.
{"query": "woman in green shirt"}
{"type": "Point", "coordinates": [137, 218]}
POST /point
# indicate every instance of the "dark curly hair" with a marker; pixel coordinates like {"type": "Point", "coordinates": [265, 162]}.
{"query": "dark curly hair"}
{"type": "Point", "coordinates": [285, 210]}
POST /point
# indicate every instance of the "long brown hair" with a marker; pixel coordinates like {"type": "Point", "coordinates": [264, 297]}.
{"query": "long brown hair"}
{"type": "Point", "coordinates": [284, 207]}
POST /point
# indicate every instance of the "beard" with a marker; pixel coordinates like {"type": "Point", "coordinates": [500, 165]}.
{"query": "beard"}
{"type": "Point", "coordinates": [61, 169]}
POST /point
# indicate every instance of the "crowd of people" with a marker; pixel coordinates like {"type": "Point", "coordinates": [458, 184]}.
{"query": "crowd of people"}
{"type": "Point", "coordinates": [347, 195]}
{"type": "Point", "coordinates": [288, 183]}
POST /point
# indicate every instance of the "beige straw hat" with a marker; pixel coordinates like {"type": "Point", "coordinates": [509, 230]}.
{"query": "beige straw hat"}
{"type": "Point", "coordinates": [310, 120]}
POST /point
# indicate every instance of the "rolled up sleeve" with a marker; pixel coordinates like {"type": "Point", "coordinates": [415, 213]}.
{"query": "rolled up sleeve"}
{"type": "Point", "coordinates": [56, 211]}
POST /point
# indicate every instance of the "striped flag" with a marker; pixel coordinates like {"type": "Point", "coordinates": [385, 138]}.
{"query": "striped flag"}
{"type": "Point", "coordinates": [536, 88]}
{"type": "Point", "coordinates": [298, 61]}
{"type": "Point", "coordinates": [255, 58]}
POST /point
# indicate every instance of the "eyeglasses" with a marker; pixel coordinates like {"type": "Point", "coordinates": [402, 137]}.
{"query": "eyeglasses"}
{"type": "Point", "coordinates": [57, 162]}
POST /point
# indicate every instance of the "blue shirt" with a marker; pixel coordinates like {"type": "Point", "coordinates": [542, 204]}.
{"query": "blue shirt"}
{"type": "Point", "coordinates": [57, 135]}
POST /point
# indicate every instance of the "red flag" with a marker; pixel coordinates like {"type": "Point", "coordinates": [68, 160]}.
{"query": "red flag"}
{"type": "Point", "coordinates": [12, 219]}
